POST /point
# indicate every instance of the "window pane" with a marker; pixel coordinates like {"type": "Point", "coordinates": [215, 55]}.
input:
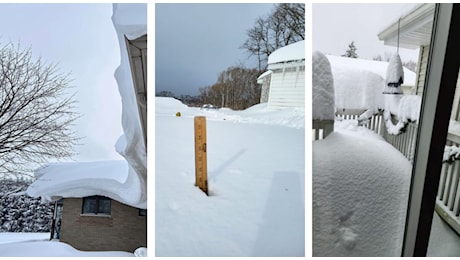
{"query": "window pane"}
{"type": "Point", "coordinates": [104, 206]}
{"type": "Point", "coordinates": [89, 205]}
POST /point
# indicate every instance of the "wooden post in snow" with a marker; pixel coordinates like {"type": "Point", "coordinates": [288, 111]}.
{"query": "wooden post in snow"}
{"type": "Point", "coordinates": [201, 168]}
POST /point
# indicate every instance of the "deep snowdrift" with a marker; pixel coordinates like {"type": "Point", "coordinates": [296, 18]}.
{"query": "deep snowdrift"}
{"type": "Point", "coordinates": [81, 179]}
{"type": "Point", "coordinates": [52, 248]}
{"type": "Point", "coordinates": [256, 181]}
{"type": "Point", "coordinates": [360, 192]}
{"type": "Point", "coordinates": [130, 21]}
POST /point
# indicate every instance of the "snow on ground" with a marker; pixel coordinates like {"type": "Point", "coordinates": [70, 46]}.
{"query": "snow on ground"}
{"type": "Point", "coordinates": [256, 164]}
{"type": "Point", "coordinates": [38, 245]}
{"type": "Point", "coordinates": [360, 193]}
{"type": "Point", "coordinates": [343, 224]}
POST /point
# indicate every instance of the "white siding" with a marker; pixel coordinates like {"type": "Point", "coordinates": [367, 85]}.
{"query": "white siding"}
{"type": "Point", "coordinates": [421, 71]}
{"type": "Point", "coordinates": [455, 105]}
{"type": "Point", "coordinates": [287, 87]}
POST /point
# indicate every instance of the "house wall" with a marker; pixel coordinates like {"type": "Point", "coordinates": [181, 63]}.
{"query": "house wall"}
{"type": "Point", "coordinates": [421, 72]}
{"type": "Point", "coordinates": [265, 89]}
{"type": "Point", "coordinates": [123, 230]}
{"type": "Point", "coordinates": [287, 86]}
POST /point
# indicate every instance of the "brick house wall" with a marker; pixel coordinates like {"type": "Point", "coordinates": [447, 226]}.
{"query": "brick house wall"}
{"type": "Point", "coordinates": [123, 230]}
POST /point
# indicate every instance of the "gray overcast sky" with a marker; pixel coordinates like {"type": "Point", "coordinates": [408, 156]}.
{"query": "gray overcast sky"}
{"type": "Point", "coordinates": [336, 25]}
{"type": "Point", "coordinates": [82, 40]}
{"type": "Point", "coordinates": [195, 42]}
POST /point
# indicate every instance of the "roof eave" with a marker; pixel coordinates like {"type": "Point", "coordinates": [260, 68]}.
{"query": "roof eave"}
{"type": "Point", "coordinates": [414, 28]}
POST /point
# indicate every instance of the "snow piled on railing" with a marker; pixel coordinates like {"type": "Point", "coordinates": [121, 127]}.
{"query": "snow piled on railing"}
{"type": "Point", "coordinates": [451, 153]}
{"type": "Point", "coordinates": [323, 88]}
{"type": "Point", "coordinates": [405, 107]}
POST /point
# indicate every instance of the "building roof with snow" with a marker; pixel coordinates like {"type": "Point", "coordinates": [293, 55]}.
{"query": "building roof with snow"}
{"type": "Point", "coordinates": [377, 67]}
{"type": "Point", "coordinates": [291, 52]}
{"type": "Point", "coordinates": [80, 179]}
{"type": "Point", "coordinates": [122, 181]}
{"type": "Point", "coordinates": [359, 83]}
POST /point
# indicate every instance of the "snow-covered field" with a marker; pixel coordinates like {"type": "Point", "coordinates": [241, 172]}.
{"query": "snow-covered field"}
{"type": "Point", "coordinates": [38, 245]}
{"type": "Point", "coordinates": [256, 176]}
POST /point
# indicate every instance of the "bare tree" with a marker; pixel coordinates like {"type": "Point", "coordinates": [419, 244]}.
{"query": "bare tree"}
{"type": "Point", "coordinates": [283, 26]}
{"type": "Point", "coordinates": [236, 88]}
{"type": "Point", "coordinates": [36, 112]}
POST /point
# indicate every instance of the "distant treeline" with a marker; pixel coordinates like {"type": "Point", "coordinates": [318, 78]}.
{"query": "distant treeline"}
{"type": "Point", "coordinates": [237, 87]}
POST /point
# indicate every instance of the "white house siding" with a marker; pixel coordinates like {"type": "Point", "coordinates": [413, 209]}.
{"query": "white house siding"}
{"type": "Point", "coordinates": [287, 85]}
{"type": "Point", "coordinates": [421, 71]}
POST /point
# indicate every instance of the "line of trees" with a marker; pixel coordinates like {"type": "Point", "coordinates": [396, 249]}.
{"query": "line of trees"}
{"type": "Point", "coordinates": [236, 88]}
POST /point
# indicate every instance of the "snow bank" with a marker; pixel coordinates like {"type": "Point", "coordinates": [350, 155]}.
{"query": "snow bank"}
{"type": "Point", "coordinates": [15, 237]}
{"type": "Point", "coordinates": [52, 249]}
{"type": "Point", "coordinates": [81, 179]}
{"type": "Point", "coordinates": [323, 88]}
{"type": "Point", "coordinates": [256, 176]}
{"type": "Point", "coordinates": [257, 114]}
{"type": "Point", "coordinates": [360, 194]}
{"type": "Point", "coordinates": [291, 52]}
{"type": "Point", "coordinates": [130, 20]}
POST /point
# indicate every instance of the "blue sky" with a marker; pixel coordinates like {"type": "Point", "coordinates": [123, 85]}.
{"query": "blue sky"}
{"type": "Point", "coordinates": [82, 40]}
{"type": "Point", "coordinates": [195, 42]}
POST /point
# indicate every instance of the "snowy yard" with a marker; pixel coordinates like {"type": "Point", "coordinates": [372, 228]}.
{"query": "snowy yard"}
{"type": "Point", "coordinates": [38, 245]}
{"type": "Point", "coordinates": [350, 178]}
{"type": "Point", "coordinates": [256, 164]}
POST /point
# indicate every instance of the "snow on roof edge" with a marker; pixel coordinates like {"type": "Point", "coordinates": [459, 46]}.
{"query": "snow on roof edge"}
{"type": "Point", "coordinates": [113, 179]}
{"type": "Point", "coordinates": [291, 52]}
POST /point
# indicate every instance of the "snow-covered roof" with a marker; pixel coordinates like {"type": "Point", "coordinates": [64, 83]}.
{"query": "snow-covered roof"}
{"type": "Point", "coordinates": [291, 52]}
{"type": "Point", "coordinates": [263, 75]}
{"type": "Point", "coordinates": [130, 19]}
{"type": "Point", "coordinates": [112, 179]}
{"type": "Point", "coordinates": [125, 181]}
{"type": "Point", "coordinates": [359, 83]}
{"type": "Point", "coordinates": [377, 67]}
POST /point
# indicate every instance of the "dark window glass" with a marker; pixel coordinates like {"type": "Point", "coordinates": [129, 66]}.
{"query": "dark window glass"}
{"type": "Point", "coordinates": [96, 205]}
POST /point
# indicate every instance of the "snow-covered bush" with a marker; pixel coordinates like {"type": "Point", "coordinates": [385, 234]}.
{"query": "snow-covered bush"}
{"type": "Point", "coordinates": [21, 213]}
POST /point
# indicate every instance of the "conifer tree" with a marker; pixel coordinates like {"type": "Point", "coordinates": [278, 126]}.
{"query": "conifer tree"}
{"type": "Point", "coordinates": [351, 52]}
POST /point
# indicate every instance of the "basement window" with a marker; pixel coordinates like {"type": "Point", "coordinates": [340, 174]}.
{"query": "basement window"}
{"type": "Point", "coordinates": [97, 205]}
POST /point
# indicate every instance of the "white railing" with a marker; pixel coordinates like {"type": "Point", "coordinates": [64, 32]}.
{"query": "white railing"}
{"type": "Point", "coordinates": [405, 141]}
{"type": "Point", "coordinates": [322, 128]}
{"type": "Point", "coordinates": [448, 197]}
